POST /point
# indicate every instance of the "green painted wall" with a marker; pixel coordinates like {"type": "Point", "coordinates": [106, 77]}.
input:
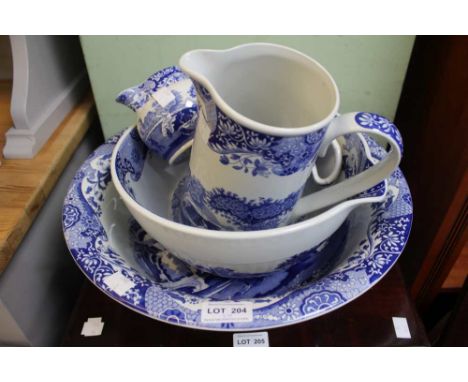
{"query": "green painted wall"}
{"type": "Point", "coordinates": [369, 70]}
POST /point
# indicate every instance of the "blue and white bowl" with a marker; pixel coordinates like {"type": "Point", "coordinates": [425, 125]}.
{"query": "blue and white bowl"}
{"type": "Point", "coordinates": [126, 264]}
{"type": "Point", "coordinates": [167, 110]}
{"type": "Point", "coordinates": [146, 184]}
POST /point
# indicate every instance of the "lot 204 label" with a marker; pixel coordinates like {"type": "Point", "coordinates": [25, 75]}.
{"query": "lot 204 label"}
{"type": "Point", "coordinates": [227, 312]}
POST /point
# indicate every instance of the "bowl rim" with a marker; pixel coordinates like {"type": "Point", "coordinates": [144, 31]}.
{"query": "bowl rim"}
{"type": "Point", "coordinates": [232, 235]}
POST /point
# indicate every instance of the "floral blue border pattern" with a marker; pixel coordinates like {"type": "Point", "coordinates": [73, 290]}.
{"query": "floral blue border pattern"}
{"type": "Point", "coordinates": [239, 212]}
{"type": "Point", "coordinates": [378, 122]}
{"type": "Point", "coordinates": [183, 210]}
{"type": "Point", "coordinates": [260, 154]}
{"type": "Point", "coordinates": [171, 291]}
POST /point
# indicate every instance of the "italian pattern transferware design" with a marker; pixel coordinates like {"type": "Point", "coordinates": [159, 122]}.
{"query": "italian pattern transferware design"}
{"type": "Point", "coordinates": [183, 211]}
{"type": "Point", "coordinates": [164, 288]}
{"type": "Point", "coordinates": [129, 171]}
{"type": "Point", "coordinates": [240, 212]}
{"type": "Point", "coordinates": [252, 215]}
{"type": "Point", "coordinates": [252, 152]}
{"type": "Point", "coordinates": [259, 154]}
{"type": "Point", "coordinates": [167, 110]}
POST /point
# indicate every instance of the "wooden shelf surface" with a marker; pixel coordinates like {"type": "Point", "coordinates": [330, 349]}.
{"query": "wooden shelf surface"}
{"type": "Point", "coordinates": [26, 183]}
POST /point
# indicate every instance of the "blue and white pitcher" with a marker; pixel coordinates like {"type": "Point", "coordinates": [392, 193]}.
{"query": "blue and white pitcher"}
{"type": "Point", "coordinates": [167, 112]}
{"type": "Point", "coordinates": [266, 113]}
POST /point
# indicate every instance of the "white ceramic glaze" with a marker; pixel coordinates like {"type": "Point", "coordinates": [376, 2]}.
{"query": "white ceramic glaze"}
{"type": "Point", "coordinates": [266, 114]}
{"type": "Point", "coordinates": [145, 184]}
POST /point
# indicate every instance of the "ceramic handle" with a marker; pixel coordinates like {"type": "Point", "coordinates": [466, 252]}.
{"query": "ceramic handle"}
{"type": "Point", "coordinates": [367, 123]}
{"type": "Point", "coordinates": [334, 149]}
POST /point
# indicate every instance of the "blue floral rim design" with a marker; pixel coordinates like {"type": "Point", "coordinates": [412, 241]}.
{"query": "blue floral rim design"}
{"type": "Point", "coordinates": [380, 123]}
{"type": "Point", "coordinates": [260, 154]}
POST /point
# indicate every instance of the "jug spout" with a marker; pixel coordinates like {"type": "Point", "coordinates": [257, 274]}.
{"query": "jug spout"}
{"type": "Point", "coordinates": [202, 65]}
{"type": "Point", "coordinates": [205, 68]}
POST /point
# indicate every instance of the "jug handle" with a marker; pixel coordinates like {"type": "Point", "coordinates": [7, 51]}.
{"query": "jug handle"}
{"type": "Point", "coordinates": [357, 122]}
{"type": "Point", "coordinates": [337, 162]}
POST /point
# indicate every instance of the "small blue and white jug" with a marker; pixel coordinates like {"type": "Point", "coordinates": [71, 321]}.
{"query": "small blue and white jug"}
{"type": "Point", "coordinates": [266, 113]}
{"type": "Point", "coordinates": [167, 111]}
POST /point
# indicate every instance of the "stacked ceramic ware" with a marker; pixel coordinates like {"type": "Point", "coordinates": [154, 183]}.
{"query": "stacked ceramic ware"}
{"type": "Point", "coordinates": [241, 199]}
